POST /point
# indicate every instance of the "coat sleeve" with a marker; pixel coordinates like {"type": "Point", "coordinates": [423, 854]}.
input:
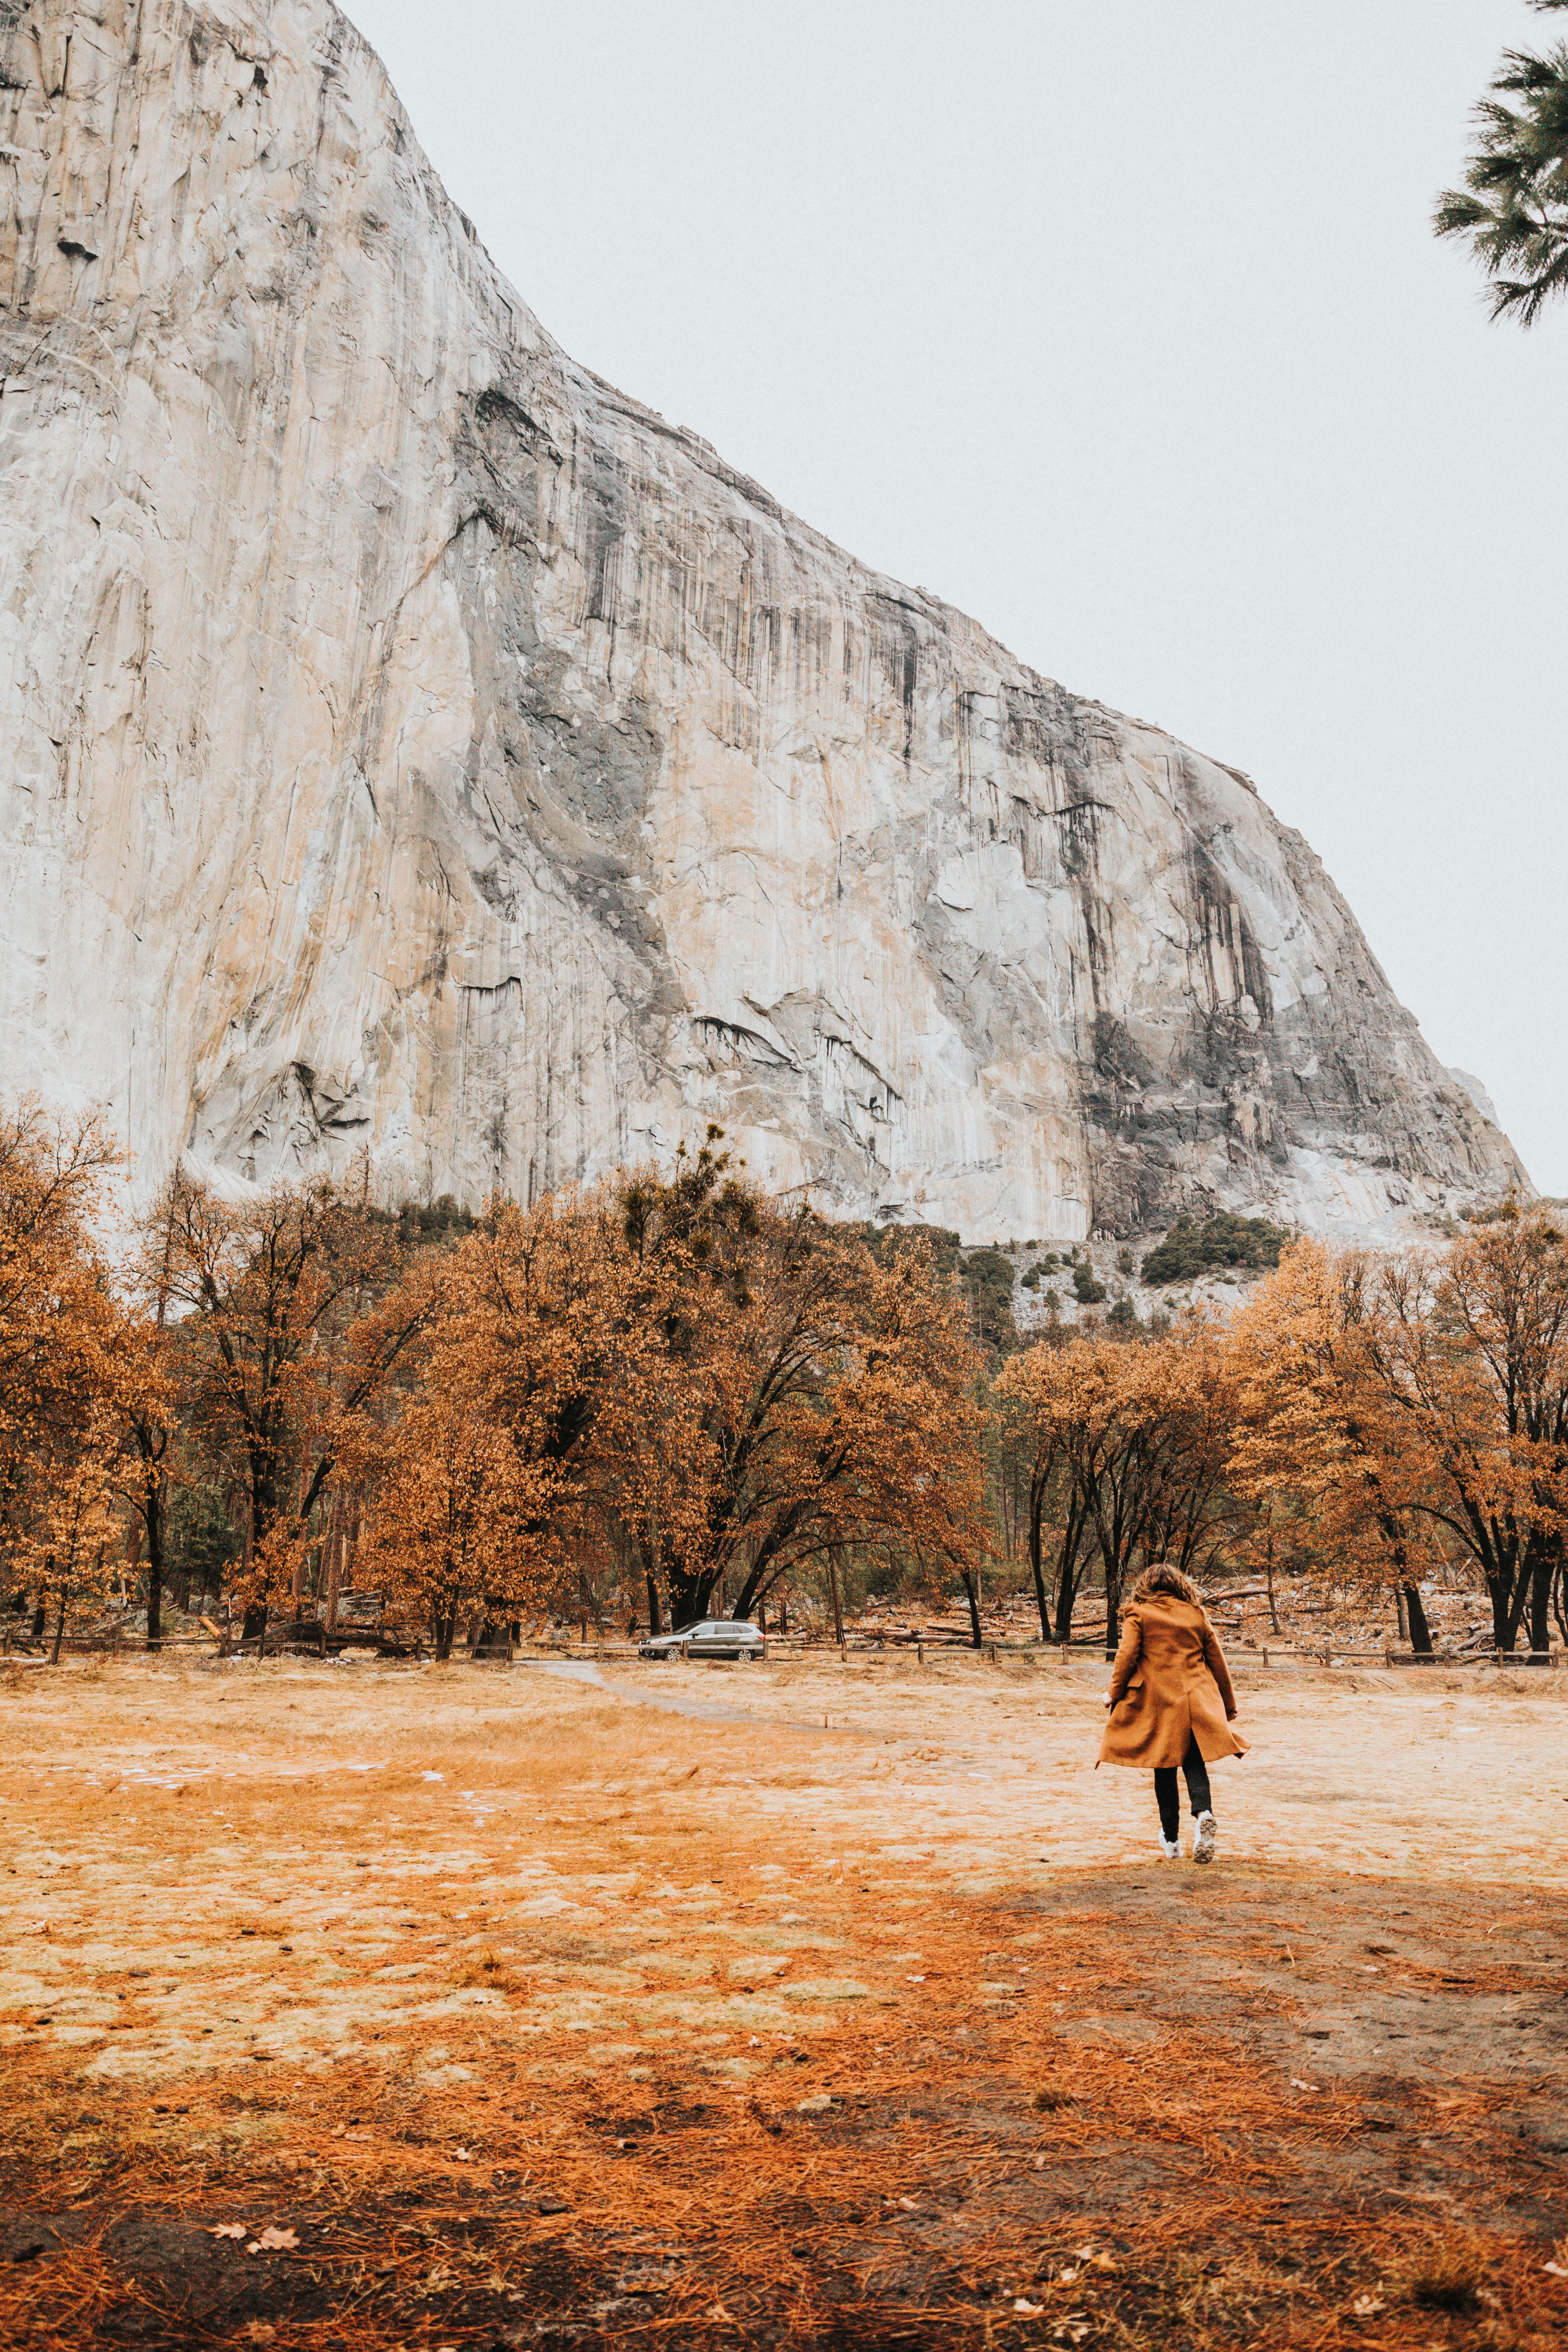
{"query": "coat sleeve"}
{"type": "Point", "coordinates": [1213, 1658]}
{"type": "Point", "coordinates": [1127, 1656]}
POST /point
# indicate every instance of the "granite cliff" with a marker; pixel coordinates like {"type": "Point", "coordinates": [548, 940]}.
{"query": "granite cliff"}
{"type": "Point", "coordinates": [409, 741]}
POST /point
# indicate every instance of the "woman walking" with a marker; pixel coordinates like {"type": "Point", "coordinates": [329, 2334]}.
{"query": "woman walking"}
{"type": "Point", "coordinates": [1172, 1703]}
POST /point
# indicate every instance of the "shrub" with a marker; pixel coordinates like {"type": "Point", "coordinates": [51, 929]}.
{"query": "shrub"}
{"type": "Point", "coordinates": [1087, 1290]}
{"type": "Point", "coordinates": [1225, 1240]}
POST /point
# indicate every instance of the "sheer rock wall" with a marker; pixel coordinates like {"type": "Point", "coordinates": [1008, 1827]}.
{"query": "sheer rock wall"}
{"type": "Point", "coordinates": [410, 742]}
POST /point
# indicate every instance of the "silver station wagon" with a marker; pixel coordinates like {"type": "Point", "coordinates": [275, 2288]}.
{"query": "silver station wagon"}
{"type": "Point", "coordinates": [716, 1637]}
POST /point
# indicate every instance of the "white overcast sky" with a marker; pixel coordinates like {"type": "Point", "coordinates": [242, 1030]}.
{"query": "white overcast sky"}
{"type": "Point", "coordinates": [1120, 325]}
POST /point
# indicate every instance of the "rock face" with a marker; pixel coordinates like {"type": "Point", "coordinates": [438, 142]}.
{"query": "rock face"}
{"type": "Point", "coordinates": [409, 741]}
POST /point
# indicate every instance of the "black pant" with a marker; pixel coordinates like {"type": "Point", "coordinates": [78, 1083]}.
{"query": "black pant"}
{"type": "Point", "coordinates": [1165, 1795]}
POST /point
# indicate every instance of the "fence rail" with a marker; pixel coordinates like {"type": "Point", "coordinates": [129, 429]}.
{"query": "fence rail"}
{"type": "Point", "coordinates": [776, 1649]}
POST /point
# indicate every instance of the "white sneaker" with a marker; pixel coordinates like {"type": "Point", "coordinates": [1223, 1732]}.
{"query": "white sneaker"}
{"type": "Point", "coordinates": [1171, 1848]}
{"type": "Point", "coordinates": [1205, 1830]}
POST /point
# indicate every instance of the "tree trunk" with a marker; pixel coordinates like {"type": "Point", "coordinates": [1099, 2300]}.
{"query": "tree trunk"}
{"type": "Point", "coordinates": [1415, 1614]}
{"type": "Point", "coordinates": [1042, 1597]}
{"type": "Point", "coordinates": [60, 1629]}
{"type": "Point", "coordinates": [971, 1595]}
{"type": "Point", "coordinates": [654, 1621]}
{"type": "Point", "coordinates": [1112, 1611]}
{"type": "Point", "coordinates": [153, 1514]}
{"type": "Point", "coordinates": [690, 1597]}
{"type": "Point", "coordinates": [1541, 1582]}
{"type": "Point", "coordinates": [837, 1604]}
{"type": "Point", "coordinates": [445, 1627]}
{"type": "Point", "coordinates": [335, 1559]}
{"type": "Point", "coordinates": [1502, 1625]}
{"type": "Point", "coordinates": [1067, 1593]}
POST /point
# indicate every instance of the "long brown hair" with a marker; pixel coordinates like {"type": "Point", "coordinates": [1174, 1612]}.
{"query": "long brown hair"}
{"type": "Point", "coordinates": [1160, 1577]}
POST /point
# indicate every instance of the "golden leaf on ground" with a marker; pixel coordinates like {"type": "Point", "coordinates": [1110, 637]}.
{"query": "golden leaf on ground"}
{"type": "Point", "coordinates": [275, 2240]}
{"type": "Point", "coordinates": [227, 2230]}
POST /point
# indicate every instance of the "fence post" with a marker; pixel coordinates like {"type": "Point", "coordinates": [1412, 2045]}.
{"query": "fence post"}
{"type": "Point", "coordinates": [919, 1653]}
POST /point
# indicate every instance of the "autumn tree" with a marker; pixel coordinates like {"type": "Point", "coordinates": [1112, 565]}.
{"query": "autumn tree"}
{"type": "Point", "coordinates": [478, 1491]}
{"type": "Point", "coordinates": [1469, 1351]}
{"type": "Point", "coordinates": [447, 1528]}
{"type": "Point", "coordinates": [74, 1525]}
{"type": "Point", "coordinates": [807, 1398]}
{"type": "Point", "coordinates": [716, 1392]}
{"type": "Point", "coordinates": [56, 1321]}
{"type": "Point", "coordinates": [1056, 1509]}
{"type": "Point", "coordinates": [1131, 1439]}
{"type": "Point", "coordinates": [52, 1309]}
{"type": "Point", "coordinates": [296, 1318]}
{"type": "Point", "coordinates": [149, 1399]}
{"type": "Point", "coordinates": [1328, 1463]}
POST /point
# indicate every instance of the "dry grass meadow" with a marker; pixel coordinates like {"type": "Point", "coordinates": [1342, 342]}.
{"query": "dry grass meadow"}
{"type": "Point", "coordinates": [396, 2006]}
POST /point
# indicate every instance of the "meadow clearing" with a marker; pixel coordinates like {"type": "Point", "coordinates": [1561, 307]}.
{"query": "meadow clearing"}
{"type": "Point", "coordinates": [393, 2005]}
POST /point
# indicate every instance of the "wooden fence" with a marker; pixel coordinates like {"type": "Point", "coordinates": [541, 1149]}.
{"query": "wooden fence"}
{"type": "Point", "coordinates": [777, 1649]}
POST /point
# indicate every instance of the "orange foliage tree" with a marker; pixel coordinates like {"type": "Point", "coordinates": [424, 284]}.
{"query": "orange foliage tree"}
{"type": "Point", "coordinates": [74, 1525]}
{"type": "Point", "coordinates": [681, 1375]}
{"type": "Point", "coordinates": [449, 1525]}
{"type": "Point", "coordinates": [1321, 1451]}
{"type": "Point", "coordinates": [792, 1395]}
{"type": "Point", "coordinates": [299, 1306]}
{"type": "Point", "coordinates": [1130, 1440]}
{"type": "Point", "coordinates": [57, 1354]}
{"type": "Point", "coordinates": [1469, 1353]}
{"type": "Point", "coordinates": [478, 1490]}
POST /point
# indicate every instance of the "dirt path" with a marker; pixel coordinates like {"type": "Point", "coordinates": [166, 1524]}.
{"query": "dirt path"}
{"type": "Point", "coordinates": [537, 2014]}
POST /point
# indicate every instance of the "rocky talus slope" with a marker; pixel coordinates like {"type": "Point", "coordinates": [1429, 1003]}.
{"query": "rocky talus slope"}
{"type": "Point", "coordinates": [409, 741]}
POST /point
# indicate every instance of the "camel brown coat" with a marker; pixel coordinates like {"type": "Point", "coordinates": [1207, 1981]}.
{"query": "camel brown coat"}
{"type": "Point", "coordinates": [1170, 1684]}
